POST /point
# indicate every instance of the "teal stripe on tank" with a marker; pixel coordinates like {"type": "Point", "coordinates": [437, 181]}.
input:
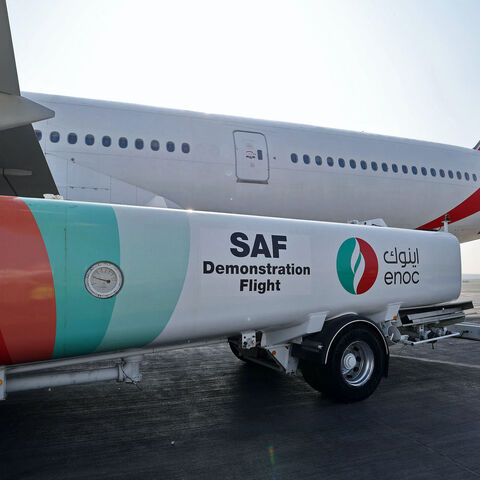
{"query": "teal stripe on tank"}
{"type": "Point", "coordinates": [91, 236]}
{"type": "Point", "coordinates": [154, 247]}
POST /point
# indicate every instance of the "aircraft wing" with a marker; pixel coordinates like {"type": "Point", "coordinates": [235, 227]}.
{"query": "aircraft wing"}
{"type": "Point", "coordinates": [23, 168]}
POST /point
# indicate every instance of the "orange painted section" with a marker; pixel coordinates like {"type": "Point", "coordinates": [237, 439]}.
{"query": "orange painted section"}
{"type": "Point", "coordinates": [27, 294]}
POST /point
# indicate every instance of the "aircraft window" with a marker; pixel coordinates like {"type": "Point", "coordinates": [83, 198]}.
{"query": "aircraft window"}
{"type": "Point", "coordinates": [38, 133]}
{"type": "Point", "coordinates": [394, 167]}
{"type": "Point", "coordinates": [424, 171]}
{"type": "Point", "coordinates": [363, 164]}
{"type": "Point", "coordinates": [186, 149]}
{"type": "Point", "coordinates": [353, 163]}
{"type": "Point", "coordinates": [294, 157]}
{"type": "Point", "coordinates": [139, 144]}
{"type": "Point", "coordinates": [374, 166]}
{"type": "Point", "coordinates": [306, 159]}
{"type": "Point", "coordinates": [318, 160]}
{"type": "Point", "coordinates": [404, 169]}
{"type": "Point", "coordinates": [330, 161]}
{"type": "Point", "coordinates": [414, 170]}
{"type": "Point", "coordinates": [467, 176]}
{"type": "Point", "coordinates": [384, 167]}
{"type": "Point", "coordinates": [450, 174]}
{"type": "Point", "coordinates": [89, 139]}
{"type": "Point", "coordinates": [170, 147]}
{"type": "Point", "coordinates": [106, 141]}
{"type": "Point", "coordinates": [459, 175]}
{"type": "Point", "coordinates": [441, 172]}
{"type": "Point", "coordinates": [155, 145]}
{"type": "Point", "coordinates": [433, 172]}
{"type": "Point", "coordinates": [72, 138]}
{"type": "Point", "coordinates": [54, 137]}
{"type": "Point", "coordinates": [122, 142]}
{"type": "Point", "coordinates": [474, 177]}
{"type": "Point", "coordinates": [341, 162]}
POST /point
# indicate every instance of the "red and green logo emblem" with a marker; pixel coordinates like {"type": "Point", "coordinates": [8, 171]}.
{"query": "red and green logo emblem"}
{"type": "Point", "coordinates": [357, 266]}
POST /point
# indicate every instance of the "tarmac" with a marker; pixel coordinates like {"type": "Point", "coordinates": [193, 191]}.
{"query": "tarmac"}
{"type": "Point", "coordinates": [200, 414]}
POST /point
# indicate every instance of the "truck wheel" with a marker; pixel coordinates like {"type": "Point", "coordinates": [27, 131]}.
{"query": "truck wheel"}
{"type": "Point", "coordinates": [354, 368]}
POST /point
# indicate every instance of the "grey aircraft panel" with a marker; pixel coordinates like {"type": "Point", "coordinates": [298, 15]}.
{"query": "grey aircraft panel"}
{"type": "Point", "coordinates": [8, 69]}
{"type": "Point", "coordinates": [19, 147]}
{"type": "Point", "coordinates": [20, 150]}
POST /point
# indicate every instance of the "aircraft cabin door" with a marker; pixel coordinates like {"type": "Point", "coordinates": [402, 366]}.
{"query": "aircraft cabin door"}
{"type": "Point", "coordinates": [251, 157]}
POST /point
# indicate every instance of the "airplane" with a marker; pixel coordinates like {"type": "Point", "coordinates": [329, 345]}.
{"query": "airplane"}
{"type": "Point", "coordinates": [120, 153]}
{"type": "Point", "coordinates": [131, 154]}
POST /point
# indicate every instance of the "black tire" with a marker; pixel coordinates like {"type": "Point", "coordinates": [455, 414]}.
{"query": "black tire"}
{"type": "Point", "coordinates": [360, 344]}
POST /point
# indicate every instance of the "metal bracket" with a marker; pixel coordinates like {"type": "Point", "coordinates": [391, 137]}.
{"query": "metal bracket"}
{"type": "Point", "coordinates": [375, 222]}
{"type": "Point", "coordinates": [313, 324]}
{"type": "Point", "coordinates": [469, 331]}
{"type": "Point", "coordinates": [282, 354]}
{"type": "Point", "coordinates": [388, 320]}
{"type": "Point", "coordinates": [129, 369]}
{"type": "Point", "coordinates": [445, 222]}
{"type": "Point", "coordinates": [51, 196]}
{"type": "Point", "coordinates": [249, 339]}
{"type": "Point", "coordinates": [389, 314]}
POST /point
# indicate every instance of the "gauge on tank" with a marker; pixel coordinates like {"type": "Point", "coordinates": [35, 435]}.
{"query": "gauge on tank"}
{"type": "Point", "coordinates": [103, 280]}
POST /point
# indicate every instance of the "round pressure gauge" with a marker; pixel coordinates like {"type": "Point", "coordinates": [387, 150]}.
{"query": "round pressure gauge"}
{"type": "Point", "coordinates": [103, 280]}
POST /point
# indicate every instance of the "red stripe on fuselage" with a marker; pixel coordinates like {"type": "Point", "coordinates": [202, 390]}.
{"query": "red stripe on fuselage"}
{"type": "Point", "coordinates": [468, 207]}
{"type": "Point", "coordinates": [27, 295]}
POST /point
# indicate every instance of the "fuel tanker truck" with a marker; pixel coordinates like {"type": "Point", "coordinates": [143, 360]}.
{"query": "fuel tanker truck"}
{"type": "Point", "coordinates": [84, 282]}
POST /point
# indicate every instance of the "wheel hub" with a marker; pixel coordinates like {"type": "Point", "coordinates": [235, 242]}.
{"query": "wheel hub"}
{"type": "Point", "coordinates": [358, 363]}
{"type": "Point", "coordinates": [349, 361]}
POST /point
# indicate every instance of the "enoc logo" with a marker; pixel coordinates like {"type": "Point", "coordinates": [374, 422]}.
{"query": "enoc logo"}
{"type": "Point", "coordinates": [357, 266]}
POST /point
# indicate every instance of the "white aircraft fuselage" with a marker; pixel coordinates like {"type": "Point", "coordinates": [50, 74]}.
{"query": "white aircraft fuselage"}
{"type": "Point", "coordinates": [105, 153]}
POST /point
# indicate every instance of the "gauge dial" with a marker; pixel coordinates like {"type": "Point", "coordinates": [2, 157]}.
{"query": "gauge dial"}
{"type": "Point", "coordinates": [103, 280]}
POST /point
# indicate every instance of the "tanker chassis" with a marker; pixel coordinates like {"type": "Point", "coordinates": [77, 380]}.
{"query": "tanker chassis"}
{"type": "Point", "coordinates": [83, 282]}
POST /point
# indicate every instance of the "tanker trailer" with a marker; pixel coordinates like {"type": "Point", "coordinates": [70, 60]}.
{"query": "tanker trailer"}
{"type": "Point", "coordinates": [82, 282]}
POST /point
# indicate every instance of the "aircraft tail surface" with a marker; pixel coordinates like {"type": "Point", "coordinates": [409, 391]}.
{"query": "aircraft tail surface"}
{"type": "Point", "coordinates": [8, 77]}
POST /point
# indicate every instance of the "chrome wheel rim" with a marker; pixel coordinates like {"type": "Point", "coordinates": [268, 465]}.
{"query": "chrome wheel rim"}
{"type": "Point", "coordinates": [357, 364]}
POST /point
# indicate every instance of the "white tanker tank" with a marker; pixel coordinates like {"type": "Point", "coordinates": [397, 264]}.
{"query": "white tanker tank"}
{"type": "Point", "coordinates": [328, 298]}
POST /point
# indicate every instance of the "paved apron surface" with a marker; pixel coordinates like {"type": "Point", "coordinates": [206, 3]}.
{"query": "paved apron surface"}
{"type": "Point", "coordinates": [202, 414]}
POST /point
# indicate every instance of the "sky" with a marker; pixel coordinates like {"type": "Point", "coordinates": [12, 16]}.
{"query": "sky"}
{"type": "Point", "coordinates": [405, 68]}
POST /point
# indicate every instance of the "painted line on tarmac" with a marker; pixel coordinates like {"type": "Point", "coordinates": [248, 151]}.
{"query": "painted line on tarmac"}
{"type": "Point", "coordinates": [443, 362]}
